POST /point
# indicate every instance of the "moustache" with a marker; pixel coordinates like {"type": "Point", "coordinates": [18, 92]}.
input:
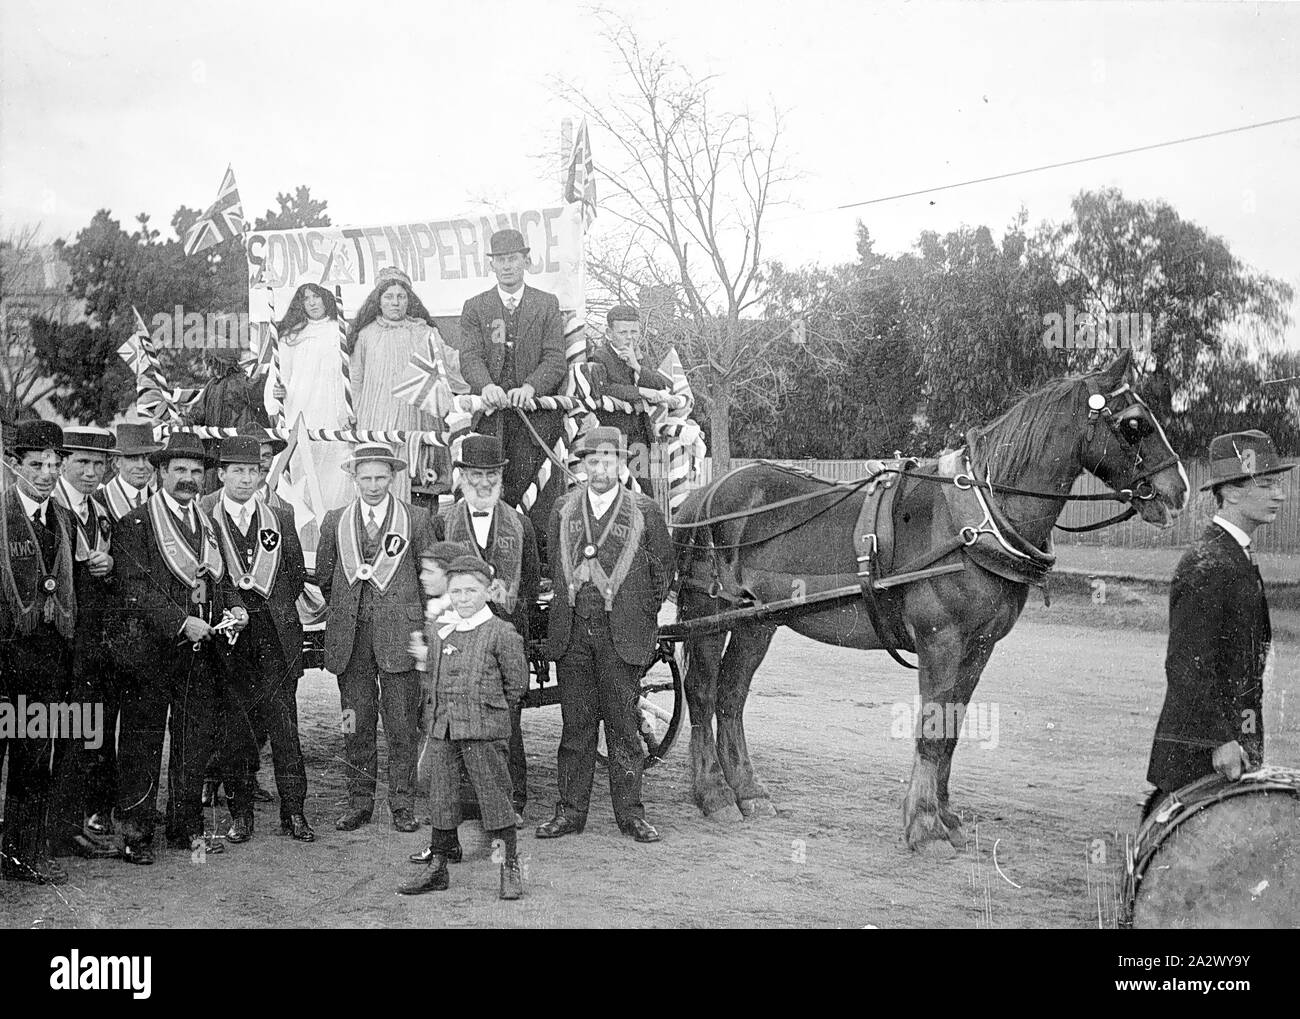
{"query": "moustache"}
{"type": "Point", "coordinates": [187, 486]}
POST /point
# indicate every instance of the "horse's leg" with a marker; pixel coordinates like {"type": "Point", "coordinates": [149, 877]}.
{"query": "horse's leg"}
{"type": "Point", "coordinates": [745, 652]}
{"type": "Point", "coordinates": [708, 786]}
{"type": "Point", "coordinates": [939, 657]}
{"type": "Point", "coordinates": [968, 675]}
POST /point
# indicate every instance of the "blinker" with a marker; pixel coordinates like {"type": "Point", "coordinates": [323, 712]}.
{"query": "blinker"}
{"type": "Point", "coordinates": [1096, 402]}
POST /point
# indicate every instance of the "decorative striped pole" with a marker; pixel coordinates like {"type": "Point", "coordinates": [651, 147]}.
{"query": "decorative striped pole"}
{"type": "Point", "coordinates": [273, 338]}
{"type": "Point", "coordinates": [345, 361]}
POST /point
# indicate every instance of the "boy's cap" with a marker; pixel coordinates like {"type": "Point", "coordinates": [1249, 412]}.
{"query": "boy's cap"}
{"type": "Point", "coordinates": [471, 564]}
{"type": "Point", "coordinates": [444, 553]}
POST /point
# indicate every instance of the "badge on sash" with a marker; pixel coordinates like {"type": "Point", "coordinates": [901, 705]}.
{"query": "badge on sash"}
{"type": "Point", "coordinates": [49, 585]}
{"type": "Point", "coordinates": [269, 539]}
{"type": "Point", "coordinates": [393, 545]}
{"type": "Point", "coordinates": [246, 582]}
{"type": "Point", "coordinates": [589, 551]}
{"type": "Point", "coordinates": [365, 571]}
{"type": "Point", "coordinates": [105, 528]}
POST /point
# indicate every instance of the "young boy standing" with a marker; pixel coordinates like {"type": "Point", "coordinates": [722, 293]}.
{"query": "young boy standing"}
{"type": "Point", "coordinates": [476, 673]}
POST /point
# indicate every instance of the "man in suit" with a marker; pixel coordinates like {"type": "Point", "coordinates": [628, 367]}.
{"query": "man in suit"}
{"type": "Point", "coordinates": [133, 480]}
{"type": "Point", "coordinates": [174, 590]}
{"type": "Point", "coordinates": [503, 537]}
{"type": "Point", "coordinates": [368, 567]}
{"type": "Point", "coordinates": [511, 350]}
{"type": "Point", "coordinates": [38, 617]}
{"type": "Point", "coordinates": [619, 374]}
{"type": "Point", "coordinates": [85, 779]}
{"type": "Point", "coordinates": [611, 565]}
{"type": "Point", "coordinates": [1219, 634]}
{"type": "Point", "coordinates": [260, 547]}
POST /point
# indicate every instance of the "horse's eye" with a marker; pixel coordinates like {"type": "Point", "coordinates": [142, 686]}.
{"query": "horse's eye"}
{"type": "Point", "coordinates": [1136, 429]}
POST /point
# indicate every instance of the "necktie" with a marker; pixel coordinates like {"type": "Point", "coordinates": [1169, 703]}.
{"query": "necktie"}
{"type": "Point", "coordinates": [372, 526]}
{"type": "Point", "coordinates": [36, 517]}
{"type": "Point", "coordinates": [1250, 554]}
{"type": "Point", "coordinates": [243, 519]}
{"type": "Point", "coordinates": [139, 499]}
{"type": "Point", "coordinates": [511, 304]}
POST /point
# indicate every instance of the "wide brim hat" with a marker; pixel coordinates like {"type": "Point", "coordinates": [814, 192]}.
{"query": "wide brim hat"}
{"type": "Point", "coordinates": [596, 439]}
{"type": "Point", "coordinates": [88, 440]}
{"type": "Point", "coordinates": [262, 435]}
{"type": "Point", "coordinates": [135, 440]}
{"type": "Point", "coordinates": [367, 451]}
{"type": "Point", "coordinates": [182, 445]}
{"type": "Point", "coordinates": [1240, 456]}
{"type": "Point", "coordinates": [240, 449]}
{"type": "Point", "coordinates": [507, 242]}
{"type": "Point", "coordinates": [481, 452]}
{"type": "Point", "coordinates": [37, 436]}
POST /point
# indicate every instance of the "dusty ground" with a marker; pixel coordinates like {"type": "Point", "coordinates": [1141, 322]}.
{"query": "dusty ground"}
{"type": "Point", "coordinates": [1076, 688]}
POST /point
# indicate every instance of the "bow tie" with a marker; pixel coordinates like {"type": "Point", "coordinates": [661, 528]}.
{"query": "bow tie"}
{"type": "Point", "coordinates": [480, 513]}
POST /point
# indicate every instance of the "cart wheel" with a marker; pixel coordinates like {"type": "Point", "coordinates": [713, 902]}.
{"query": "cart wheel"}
{"type": "Point", "coordinates": [662, 697]}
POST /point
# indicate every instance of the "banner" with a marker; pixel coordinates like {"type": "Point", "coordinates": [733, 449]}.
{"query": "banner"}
{"type": "Point", "coordinates": [446, 259]}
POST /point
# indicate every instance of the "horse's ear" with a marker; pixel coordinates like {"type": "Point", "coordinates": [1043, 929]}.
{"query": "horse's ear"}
{"type": "Point", "coordinates": [1113, 376]}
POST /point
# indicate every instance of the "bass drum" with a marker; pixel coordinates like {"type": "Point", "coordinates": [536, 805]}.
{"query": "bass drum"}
{"type": "Point", "coordinates": [1220, 854]}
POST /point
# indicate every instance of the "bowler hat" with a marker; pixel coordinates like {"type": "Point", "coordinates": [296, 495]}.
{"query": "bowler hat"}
{"type": "Point", "coordinates": [239, 449]}
{"type": "Point", "coordinates": [1238, 456]}
{"type": "Point", "coordinates": [90, 440]}
{"type": "Point", "coordinates": [481, 452]}
{"type": "Point", "coordinates": [600, 440]}
{"type": "Point", "coordinates": [136, 440]}
{"type": "Point", "coordinates": [507, 242]}
{"type": "Point", "coordinates": [367, 451]}
{"type": "Point", "coordinates": [182, 445]}
{"type": "Point", "coordinates": [37, 435]}
{"type": "Point", "coordinates": [471, 564]}
{"type": "Point", "coordinates": [262, 435]}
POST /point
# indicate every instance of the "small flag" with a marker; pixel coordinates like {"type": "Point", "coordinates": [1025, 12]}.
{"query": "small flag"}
{"type": "Point", "coordinates": [223, 220]}
{"type": "Point", "coordinates": [581, 185]}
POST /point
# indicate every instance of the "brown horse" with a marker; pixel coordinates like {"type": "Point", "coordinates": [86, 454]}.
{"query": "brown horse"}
{"type": "Point", "coordinates": [998, 497]}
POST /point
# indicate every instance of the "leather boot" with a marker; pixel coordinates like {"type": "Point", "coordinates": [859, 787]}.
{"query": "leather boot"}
{"type": "Point", "coordinates": [512, 882]}
{"type": "Point", "coordinates": [434, 879]}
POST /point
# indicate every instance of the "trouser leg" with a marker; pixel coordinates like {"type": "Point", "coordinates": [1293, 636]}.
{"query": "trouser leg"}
{"type": "Point", "coordinates": [400, 703]}
{"type": "Point", "coordinates": [277, 710]}
{"type": "Point", "coordinates": [580, 713]}
{"type": "Point", "coordinates": [193, 736]}
{"type": "Point", "coordinates": [359, 697]}
{"type": "Point", "coordinates": [237, 737]}
{"type": "Point", "coordinates": [518, 761]}
{"type": "Point", "coordinates": [101, 779]}
{"type": "Point", "coordinates": [144, 725]}
{"type": "Point", "coordinates": [620, 692]}
{"type": "Point", "coordinates": [489, 772]}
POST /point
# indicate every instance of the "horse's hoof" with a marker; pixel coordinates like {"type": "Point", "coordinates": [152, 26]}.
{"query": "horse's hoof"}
{"type": "Point", "coordinates": [949, 818]}
{"type": "Point", "coordinates": [927, 829]}
{"type": "Point", "coordinates": [758, 806]}
{"type": "Point", "coordinates": [726, 814]}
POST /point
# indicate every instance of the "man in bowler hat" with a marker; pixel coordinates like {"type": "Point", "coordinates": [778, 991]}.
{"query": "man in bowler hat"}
{"type": "Point", "coordinates": [1219, 633]}
{"type": "Point", "coordinates": [611, 564]}
{"type": "Point", "coordinates": [511, 350]}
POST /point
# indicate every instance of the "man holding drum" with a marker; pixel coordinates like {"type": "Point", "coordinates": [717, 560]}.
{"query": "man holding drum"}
{"type": "Point", "coordinates": [1219, 632]}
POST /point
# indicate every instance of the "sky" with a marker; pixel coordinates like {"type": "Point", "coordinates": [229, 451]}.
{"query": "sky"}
{"type": "Point", "coordinates": [406, 110]}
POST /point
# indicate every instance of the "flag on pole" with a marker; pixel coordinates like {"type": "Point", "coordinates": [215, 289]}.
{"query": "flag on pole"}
{"type": "Point", "coordinates": [154, 398]}
{"type": "Point", "coordinates": [581, 184]}
{"type": "Point", "coordinates": [223, 220]}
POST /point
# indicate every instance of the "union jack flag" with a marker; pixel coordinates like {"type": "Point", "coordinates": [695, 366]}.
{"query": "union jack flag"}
{"type": "Point", "coordinates": [581, 185]}
{"type": "Point", "coordinates": [432, 377]}
{"type": "Point", "coordinates": [154, 398]}
{"type": "Point", "coordinates": [223, 220]}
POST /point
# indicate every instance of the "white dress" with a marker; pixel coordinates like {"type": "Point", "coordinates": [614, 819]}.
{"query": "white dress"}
{"type": "Point", "coordinates": [311, 369]}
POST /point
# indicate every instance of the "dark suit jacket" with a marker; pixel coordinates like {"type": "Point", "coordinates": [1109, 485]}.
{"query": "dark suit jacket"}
{"type": "Point", "coordinates": [634, 618]}
{"type": "Point", "coordinates": [1218, 640]}
{"type": "Point", "coordinates": [144, 626]}
{"type": "Point", "coordinates": [539, 348]}
{"type": "Point", "coordinates": [616, 380]}
{"type": "Point", "coordinates": [398, 612]}
{"type": "Point", "coordinates": [282, 606]}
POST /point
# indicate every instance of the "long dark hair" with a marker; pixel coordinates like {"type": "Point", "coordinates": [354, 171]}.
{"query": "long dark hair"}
{"type": "Point", "coordinates": [370, 310]}
{"type": "Point", "coordinates": [296, 316]}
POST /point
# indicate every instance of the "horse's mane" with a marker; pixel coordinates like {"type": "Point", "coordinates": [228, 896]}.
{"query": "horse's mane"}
{"type": "Point", "coordinates": [1015, 441]}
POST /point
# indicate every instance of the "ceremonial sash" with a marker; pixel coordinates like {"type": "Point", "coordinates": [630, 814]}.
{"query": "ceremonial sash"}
{"type": "Point", "coordinates": [97, 525]}
{"type": "Point", "coordinates": [266, 552]}
{"type": "Point", "coordinates": [175, 549]}
{"type": "Point", "coordinates": [507, 551]}
{"type": "Point", "coordinates": [115, 497]}
{"type": "Point", "coordinates": [393, 543]}
{"type": "Point", "coordinates": [30, 592]}
{"type": "Point", "coordinates": [580, 547]}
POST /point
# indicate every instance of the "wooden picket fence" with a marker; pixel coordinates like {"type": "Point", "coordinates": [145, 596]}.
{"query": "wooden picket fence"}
{"type": "Point", "coordinates": [1282, 536]}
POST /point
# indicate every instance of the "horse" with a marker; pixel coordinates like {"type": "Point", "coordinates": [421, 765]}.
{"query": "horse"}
{"type": "Point", "coordinates": [975, 524]}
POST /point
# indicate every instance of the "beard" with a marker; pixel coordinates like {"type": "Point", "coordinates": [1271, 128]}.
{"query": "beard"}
{"type": "Point", "coordinates": [478, 502]}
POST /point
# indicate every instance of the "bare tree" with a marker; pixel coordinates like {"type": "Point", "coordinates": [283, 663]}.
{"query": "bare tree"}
{"type": "Point", "coordinates": [690, 186]}
{"type": "Point", "coordinates": [24, 294]}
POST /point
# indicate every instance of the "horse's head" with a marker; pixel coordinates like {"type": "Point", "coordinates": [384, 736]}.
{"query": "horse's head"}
{"type": "Point", "coordinates": [1124, 445]}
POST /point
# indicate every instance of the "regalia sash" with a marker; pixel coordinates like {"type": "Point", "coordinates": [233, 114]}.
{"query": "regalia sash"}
{"type": "Point", "coordinates": [580, 545]}
{"type": "Point", "coordinates": [393, 543]}
{"type": "Point", "coordinates": [115, 498]}
{"type": "Point", "coordinates": [98, 525]}
{"type": "Point", "coordinates": [33, 590]}
{"type": "Point", "coordinates": [507, 553]}
{"type": "Point", "coordinates": [176, 551]}
{"type": "Point", "coordinates": [260, 577]}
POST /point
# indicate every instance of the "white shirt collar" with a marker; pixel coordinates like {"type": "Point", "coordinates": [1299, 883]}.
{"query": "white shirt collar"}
{"type": "Point", "coordinates": [482, 525]}
{"type": "Point", "coordinates": [600, 504]}
{"type": "Point", "coordinates": [463, 625]}
{"type": "Point", "coordinates": [1241, 537]}
{"type": "Point", "coordinates": [517, 296]}
{"type": "Point", "coordinates": [30, 505]}
{"type": "Point", "coordinates": [379, 511]}
{"type": "Point", "coordinates": [177, 509]}
{"type": "Point", "coordinates": [129, 488]}
{"type": "Point", "coordinates": [76, 499]}
{"type": "Point", "coordinates": [234, 509]}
